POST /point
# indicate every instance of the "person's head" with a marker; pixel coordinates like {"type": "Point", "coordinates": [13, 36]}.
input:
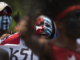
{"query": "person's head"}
{"type": "Point", "coordinates": [4, 55]}
{"type": "Point", "coordinates": [5, 17]}
{"type": "Point", "coordinates": [69, 24]}
{"type": "Point", "coordinates": [65, 13]}
{"type": "Point", "coordinates": [44, 27]}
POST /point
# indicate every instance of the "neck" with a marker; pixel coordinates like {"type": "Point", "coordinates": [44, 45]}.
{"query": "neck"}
{"type": "Point", "coordinates": [67, 41]}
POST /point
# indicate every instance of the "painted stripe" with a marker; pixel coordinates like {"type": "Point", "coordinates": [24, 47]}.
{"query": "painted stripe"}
{"type": "Point", "coordinates": [45, 21]}
{"type": "Point", "coordinates": [46, 18]}
{"type": "Point", "coordinates": [50, 29]}
{"type": "Point", "coordinates": [48, 33]}
{"type": "Point", "coordinates": [0, 21]}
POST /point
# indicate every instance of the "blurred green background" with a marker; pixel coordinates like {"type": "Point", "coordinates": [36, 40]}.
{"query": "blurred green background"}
{"type": "Point", "coordinates": [17, 6]}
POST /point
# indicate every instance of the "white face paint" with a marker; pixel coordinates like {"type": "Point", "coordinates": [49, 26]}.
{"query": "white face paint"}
{"type": "Point", "coordinates": [44, 24]}
{"type": "Point", "coordinates": [5, 22]}
{"type": "Point", "coordinates": [47, 25]}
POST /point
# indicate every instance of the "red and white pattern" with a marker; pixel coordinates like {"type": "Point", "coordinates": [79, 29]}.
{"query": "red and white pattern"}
{"type": "Point", "coordinates": [17, 51]}
{"type": "Point", "coordinates": [59, 53]}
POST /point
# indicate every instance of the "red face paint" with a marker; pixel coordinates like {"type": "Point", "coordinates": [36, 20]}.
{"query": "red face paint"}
{"type": "Point", "coordinates": [5, 12]}
{"type": "Point", "coordinates": [39, 26]}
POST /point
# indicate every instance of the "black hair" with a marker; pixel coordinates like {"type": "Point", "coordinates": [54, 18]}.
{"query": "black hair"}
{"type": "Point", "coordinates": [53, 32]}
{"type": "Point", "coordinates": [4, 55]}
{"type": "Point", "coordinates": [50, 8]}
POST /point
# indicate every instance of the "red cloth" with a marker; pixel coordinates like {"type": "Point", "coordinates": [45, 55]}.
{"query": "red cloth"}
{"type": "Point", "coordinates": [66, 11]}
{"type": "Point", "coordinates": [13, 39]}
{"type": "Point", "coordinates": [59, 53]}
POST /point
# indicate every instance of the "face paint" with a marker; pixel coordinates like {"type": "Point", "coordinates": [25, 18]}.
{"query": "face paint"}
{"type": "Point", "coordinates": [5, 19]}
{"type": "Point", "coordinates": [5, 22]}
{"type": "Point", "coordinates": [73, 23]}
{"type": "Point", "coordinates": [5, 12]}
{"type": "Point", "coordinates": [43, 26]}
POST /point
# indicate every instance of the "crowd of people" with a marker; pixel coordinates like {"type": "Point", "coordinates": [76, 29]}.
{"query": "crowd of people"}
{"type": "Point", "coordinates": [49, 31]}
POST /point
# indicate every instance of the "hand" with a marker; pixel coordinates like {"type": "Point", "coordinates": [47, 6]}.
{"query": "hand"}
{"type": "Point", "coordinates": [16, 17]}
{"type": "Point", "coordinates": [4, 36]}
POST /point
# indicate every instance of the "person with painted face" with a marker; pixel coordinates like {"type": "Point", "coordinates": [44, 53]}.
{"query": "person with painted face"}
{"type": "Point", "coordinates": [41, 31]}
{"type": "Point", "coordinates": [16, 43]}
{"type": "Point", "coordinates": [66, 14]}
{"type": "Point", "coordinates": [44, 27]}
{"type": "Point", "coordinates": [5, 17]}
{"type": "Point", "coordinates": [5, 21]}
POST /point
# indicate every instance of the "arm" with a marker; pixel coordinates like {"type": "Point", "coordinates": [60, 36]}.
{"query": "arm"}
{"type": "Point", "coordinates": [39, 46]}
{"type": "Point", "coordinates": [4, 36]}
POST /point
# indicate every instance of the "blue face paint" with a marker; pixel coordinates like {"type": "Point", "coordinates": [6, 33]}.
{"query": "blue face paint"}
{"type": "Point", "coordinates": [5, 22]}
{"type": "Point", "coordinates": [43, 27]}
{"type": "Point", "coordinates": [47, 25]}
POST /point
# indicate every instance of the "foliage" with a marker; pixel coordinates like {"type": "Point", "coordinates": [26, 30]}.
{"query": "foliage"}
{"type": "Point", "coordinates": [17, 6]}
